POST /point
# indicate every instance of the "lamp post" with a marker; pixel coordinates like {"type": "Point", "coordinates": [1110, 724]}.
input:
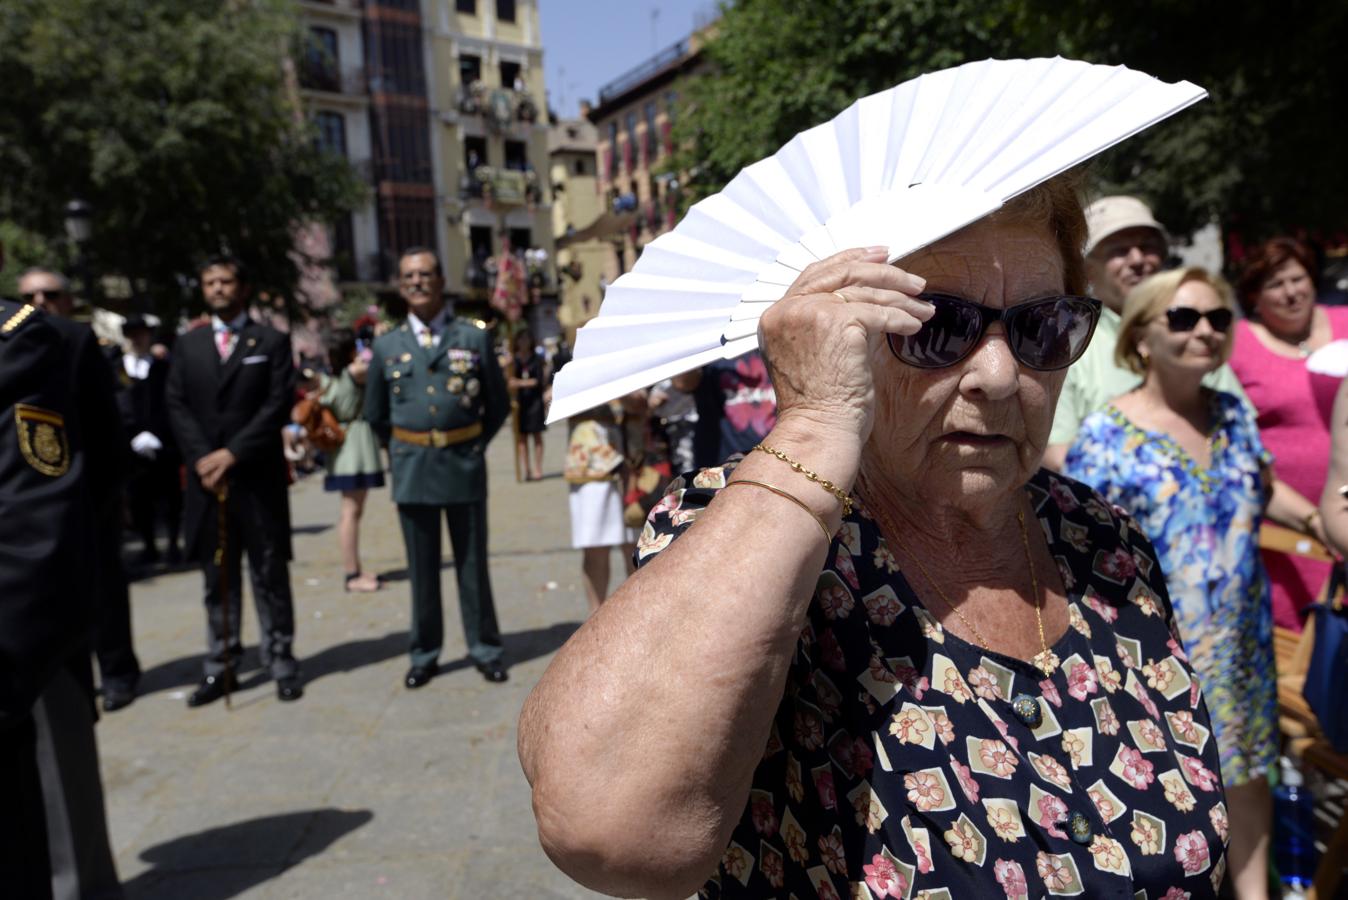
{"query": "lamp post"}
{"type": "Point", "coordinates": [79, 222]}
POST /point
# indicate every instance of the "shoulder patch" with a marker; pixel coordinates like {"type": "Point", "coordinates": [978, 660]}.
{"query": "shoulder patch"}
{"type": "Point", "coordinates": [42, 439]}
{"type": "Point", "coordinates": [14, 319]}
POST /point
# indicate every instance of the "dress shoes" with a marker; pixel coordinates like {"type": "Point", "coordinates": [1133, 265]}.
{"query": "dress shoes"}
{"type": "Point", "coordinates": [212, 688]}
{"type": "Point", "coordinates": [289, 689]}
{"type": "Point", "coordinates": [493, 671]}
{"type": "Point", "coordinates": [118, 696]}
{"type": "Point", "coordinates": [419, 676]}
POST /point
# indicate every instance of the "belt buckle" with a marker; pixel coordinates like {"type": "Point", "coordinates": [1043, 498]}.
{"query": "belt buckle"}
{"type": "Point", "coordinates": [439, 439]}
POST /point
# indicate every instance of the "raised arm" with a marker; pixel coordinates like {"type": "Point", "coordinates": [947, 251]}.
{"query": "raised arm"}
{"type": "Point", "coordinates": [641, 739]}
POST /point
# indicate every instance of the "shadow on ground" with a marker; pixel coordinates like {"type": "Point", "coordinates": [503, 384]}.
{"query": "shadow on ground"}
{"type": "Point", "coordinates": [226, 861]}
{"type": "Point", "coordinates": [522, 646]}
{"type": "Point", "coordinates": [311, 529]}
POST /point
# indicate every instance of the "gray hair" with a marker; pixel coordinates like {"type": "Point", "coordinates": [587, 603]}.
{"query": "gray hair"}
{"type": "Point", "coordinates": [62, 281]}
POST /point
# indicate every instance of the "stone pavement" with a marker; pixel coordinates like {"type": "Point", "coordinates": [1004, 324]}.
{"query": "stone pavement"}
{"type": "Point", "coordinates": [362, 788]}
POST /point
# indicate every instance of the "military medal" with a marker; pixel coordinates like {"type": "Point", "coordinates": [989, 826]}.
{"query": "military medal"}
{"type": "Point", "coordinates": [454, 385]}
{"type": "Point", "coordinates": [473, 387]}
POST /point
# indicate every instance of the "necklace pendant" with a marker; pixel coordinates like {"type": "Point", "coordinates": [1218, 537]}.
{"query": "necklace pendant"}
{"type": "Point", "coordinates": [1046, 661]}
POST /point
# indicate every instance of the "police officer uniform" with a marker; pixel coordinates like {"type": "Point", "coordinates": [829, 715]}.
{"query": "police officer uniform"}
{"type": "Point", "coordinates": [46, 610]}
{"type": "Point", "coordinates": [436, 395]}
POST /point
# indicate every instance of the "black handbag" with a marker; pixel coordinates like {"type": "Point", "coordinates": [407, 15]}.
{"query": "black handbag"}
{"type": "Point", "coordinates": [1326, 687]}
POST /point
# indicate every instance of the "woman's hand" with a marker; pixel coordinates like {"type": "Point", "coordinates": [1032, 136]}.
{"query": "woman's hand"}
{"type": "Point", "coordinates": [358, 369]}
{"type": "Point", "coordinates": [819, 339]}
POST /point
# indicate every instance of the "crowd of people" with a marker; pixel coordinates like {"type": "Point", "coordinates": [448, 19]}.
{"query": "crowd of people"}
{"type": "Point", "coordinates": [1184, 402]}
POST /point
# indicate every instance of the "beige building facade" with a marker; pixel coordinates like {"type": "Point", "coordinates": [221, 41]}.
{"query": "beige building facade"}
{"type": "Point", "coordinates": [577, 214]}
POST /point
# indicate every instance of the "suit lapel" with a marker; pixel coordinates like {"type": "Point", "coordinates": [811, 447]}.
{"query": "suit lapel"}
{"type": "Point", "coordinates": [242, 347]}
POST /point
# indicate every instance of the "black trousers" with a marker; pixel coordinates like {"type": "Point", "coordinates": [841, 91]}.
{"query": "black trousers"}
{"type": "Point", "coordinates": [154, 485]}
{"type": "Point", "coordinates": [117, 663]}
{"type": "Point", "coordinates": [269, 572]}
{"type": "Point", "coordinates": [25, 866]}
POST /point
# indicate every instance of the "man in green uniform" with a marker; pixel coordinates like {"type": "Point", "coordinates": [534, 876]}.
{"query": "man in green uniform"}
{"type": "Point", "coordinates": [435, 394]}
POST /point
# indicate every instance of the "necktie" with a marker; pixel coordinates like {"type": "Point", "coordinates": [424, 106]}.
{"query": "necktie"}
{"type": "Point", "coordinates": [224, 342]}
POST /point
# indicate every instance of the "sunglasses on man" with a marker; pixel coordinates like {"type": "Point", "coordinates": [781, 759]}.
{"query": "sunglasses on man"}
{"type": "Point", "coordinates": [1185, 318]}
{"type": "Point", "coordinates": [30, 296]}
{"type": "Point", "coordinates": [1046, 334]}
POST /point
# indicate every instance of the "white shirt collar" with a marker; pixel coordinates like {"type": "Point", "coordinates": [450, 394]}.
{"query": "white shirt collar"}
{"type": "Point", "coordinates": [236, 324]}
{"type": "Point", "coordinates": [435, 326]}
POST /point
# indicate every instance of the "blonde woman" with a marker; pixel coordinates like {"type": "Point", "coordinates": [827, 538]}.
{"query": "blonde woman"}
{"type": "Point", "coordinates": [1188, 464]}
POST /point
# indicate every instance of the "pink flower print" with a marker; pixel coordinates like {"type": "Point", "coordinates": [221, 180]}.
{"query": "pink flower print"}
{"type": "Point", "coordinates": [826, 891]}
{"type": "Point", "coordinates": [1125, 656]}
{"type": "Point", "coordinates": [1177, 650]}
{"type": "Point", "coordinates": [923, 857]}
{"type": "Point", "coordinates": [1191, 852]}
{"type": "Point", "coordinates": [1069, 580]}
{"type": "Point", "coordinates": [793, 783]}
{"type": "Point", "coordinates": [1176, 894]}
{"type": "Point", "coordinates": [1151, 734]}
{"type": "Point", "coordinates": [842, 564]}
{"type": "Point", "coordinates": [1103, 805]}
{"type": "Point", "coordinates": [1097, 510]}
{"type": "Point", "coordinates": [1147, 603]}
{"type": "Point", "coordinates": [1136, 770]}
{"type": "Point", "coordinates": [1062, 495]}
{"type": "Point", "coordinates": [1078, 621]}
{"type": "Point", "coordinates": [831, 852]}
{"type": "Point", "coordinates": [1049, 690]}
{"type": "Point", "coordinates": [882, 609]}
{"type": "Point", "coordinates": [1116, 566]}
{"type": "Point", "coordinates": [1148, 704]}
{"type": "Point", "coordinates": [883, 878]}
{"type": "Point", "coordinates": [1184, 725]}
{"type": "Point", "coordinates": [1146, 837]}
{"type": "Point", "coordinates": [1074, 747]}
{"type": "Point", "coordinates": [795, 843]}
{"type": "Point", "coordinates": [773, 868]}
{"type": "Point", "coordinates": [710, 477]}
{"type": "Point", "coordinates": [1102, 609]}
{"type": "Point", "coordinates": [823, 785]}
{"type": "Point", "coordinates": [1107, 720]}
{"type": "Point", "coordinates": [955, 686]}
{"type": "Point", "coordinates": [1012, 879]}
{"type": "Point", "coordinates": [944, 730]}
{"type": "Point", "coordinates": [1178, 796]}
{"type": "Point", "coordinates": [963, 841]}
{"type": "Point", "coordinates": [1005, 732]}
{"type": "Point", "coordinates": [912, 679]}
{"type": "Point", "coordinates": [750, 404]}
{"type": "Point", "coordinates": [1057, 877]}
{"type": "Point", "coordinates": [1055, 772]}
{"type": "Point", "coordinates": [863, 760]}
{"type": "Point", "coordinates": [881, 672]}
{"type": "Point", "coordinates": [924, 790]}
{"type": "Point", "coordinates": [883, 559]}
{"type": "Point", "coordinates": [1108, 853]}
{"type": "Point", "coordinates": [831, 651]}
{"type": "Point", "coordinates": [1217, 815]}
{"type": "Point", "coordinates": [808, 729]}
{"type": "Point", "coordinates": [1082, 681]}
{"type": "Point", "coordinates": [736, 862]}
{"type": "Point", "coordinates": [668, 503]}
{"type": "Point", "coordinates": [835, 601]}
{"type": "Point", "coordinates": [1193, 694]}
{"type": "Point", "coordinates": [1052, 810]}
{"type": "Point", "coordinates": [1200, 775]}
{"type": "Point", "coordinates": [1159, 676]}
{"type": "Point", "coordinates": [910, 726]}
{"type": "Point", "coordinates": [995, 756]}
{"type": "Point", "coordinates": [685, 516]}
{"type": "Point", "coordinates": [763, 815]}
{"type": "Point", "coordinates": [1110, 679]}
{"type": "Point", "coordinates": [965, 779]}
{"type": "Point", "coordinates": [984, 683]}
{"type": "Point", "coordinates": [1005, 823]}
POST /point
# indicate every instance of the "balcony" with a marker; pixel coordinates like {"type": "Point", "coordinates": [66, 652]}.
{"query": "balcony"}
{"type": "Point", "coordinates": [332, 79]}
{"type": "Point", "coordinates": [500, 106]}
{"type": "Point", "coordinates": [508, 187]}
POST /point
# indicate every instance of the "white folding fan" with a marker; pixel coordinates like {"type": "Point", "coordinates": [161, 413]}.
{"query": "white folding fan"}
{"type": "Point", "coordinates": [901, 168]}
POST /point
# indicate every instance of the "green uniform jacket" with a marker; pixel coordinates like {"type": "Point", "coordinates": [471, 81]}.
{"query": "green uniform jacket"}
{"type": "Point", "coordinates": [454, 385]}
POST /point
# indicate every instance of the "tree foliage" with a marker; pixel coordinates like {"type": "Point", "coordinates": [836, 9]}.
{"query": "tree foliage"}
{"type": "Point", "coordinates": [1264, 154]}
{"type": "Point", "coordinates": [176, 121]}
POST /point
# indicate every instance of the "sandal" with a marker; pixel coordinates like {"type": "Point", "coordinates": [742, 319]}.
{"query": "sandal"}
{"type": "Point", "coordinates": [363, 587]}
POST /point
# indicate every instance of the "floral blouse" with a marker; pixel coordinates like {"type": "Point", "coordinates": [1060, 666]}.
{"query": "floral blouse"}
{"type": "Point", "coordinates": [905, 762]}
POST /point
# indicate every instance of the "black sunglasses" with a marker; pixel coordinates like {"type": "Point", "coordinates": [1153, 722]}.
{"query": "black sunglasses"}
{"type": "Point", "coordinates": [1046, 334]}
{"type": "Point", "coordinates": [1185, 318]}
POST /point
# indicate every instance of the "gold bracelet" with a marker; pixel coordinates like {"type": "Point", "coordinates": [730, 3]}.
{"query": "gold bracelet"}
{"type": "Point", "coordinates": [843, 497]}
{"type": "Point", "coordinates": [1308, 523]}
{"type": "Point", "coordinates": [828, 538]}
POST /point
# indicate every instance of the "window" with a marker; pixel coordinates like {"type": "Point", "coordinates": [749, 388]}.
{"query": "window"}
{"type": "Point", "coordinates": [320, 69]}
{"type": "Point", "coordinates": [510, 71]}
{"type": "Point", "coordinates": [402, 144]}
{"type": "Point", "coordinates": [474, 153]}
{"type": "Point", "coordinates": [470, 69]}
{"type": "Point", "coordinates": [520, 239]}
{"type": "Point", "coordinates": [515, 156]}
{"type": "Point", "coordinates": [505, 10]}
{"type": "Point", "coordinates": [344, 249]}
{"type": "Point", "coordinates": [613, 135]}
{"type": "Point", "coordinates": [580, 167]}
{"type": "Point", "coordinates": [393, 54]}
{"type": "Point", "coordinates": [671, 104]}
{"type": "Point", "coordinates": [331, 132]}
{"type": "Point", "coordinates": [631, 123]}
{"type": "Point", "coordinates": [479, 240]}
{"type": "Point", "coordinates": [404, 222]}
{"type": "Point", "coordinates": [468, 7]}
{"type": "Point", "coordinates": [652, 144]}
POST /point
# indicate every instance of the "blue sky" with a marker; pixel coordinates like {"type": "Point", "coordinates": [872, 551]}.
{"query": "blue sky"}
{"type": "Point", "coordinates": [588, 43]}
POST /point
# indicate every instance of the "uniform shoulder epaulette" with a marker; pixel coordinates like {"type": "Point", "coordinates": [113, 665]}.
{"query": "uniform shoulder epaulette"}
{"type": "Point", "coordinates": [13, 316]}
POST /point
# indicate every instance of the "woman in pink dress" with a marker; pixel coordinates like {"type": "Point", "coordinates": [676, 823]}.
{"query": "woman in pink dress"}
{"type": "Point", "coordinates": [1286, 325]}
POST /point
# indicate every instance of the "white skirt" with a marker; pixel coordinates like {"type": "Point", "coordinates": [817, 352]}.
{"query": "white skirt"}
{"type": "Point", "coordinates": [597, 516]}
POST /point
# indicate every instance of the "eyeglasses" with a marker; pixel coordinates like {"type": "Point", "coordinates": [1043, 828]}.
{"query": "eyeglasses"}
{"type": "Point", "coordinates": [1046, 334]}
{"type": "Point", "coordinates": [30, 296]}
{"type": "Point", "coordinates": [1185, 318]}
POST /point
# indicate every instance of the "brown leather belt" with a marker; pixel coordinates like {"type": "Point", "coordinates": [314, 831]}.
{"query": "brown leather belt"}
{"type": "Point", "coordinates": [434, 438]}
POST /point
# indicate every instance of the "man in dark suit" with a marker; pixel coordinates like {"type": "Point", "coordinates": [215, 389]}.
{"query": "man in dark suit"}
{"type": "Point", "coordinates": [436, 395]}
{"type": "Point", "coordinates": [153, 479]}
{"type": "Point", "coordinates": [230, 389]}
{"type": "Point", "coordinates": [53, 832]}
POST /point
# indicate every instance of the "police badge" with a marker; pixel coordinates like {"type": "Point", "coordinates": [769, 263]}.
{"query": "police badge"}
{"type": "Point", "coordinates": [42, 439]}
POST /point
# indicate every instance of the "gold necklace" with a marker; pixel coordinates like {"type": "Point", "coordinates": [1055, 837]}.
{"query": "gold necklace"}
{"type": "Point", "coordinates": [1045, 660]}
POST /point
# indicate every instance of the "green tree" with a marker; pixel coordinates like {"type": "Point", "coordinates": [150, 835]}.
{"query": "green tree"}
{"type": "Point", "coordinates": [1263, 154]}
{"type": "Point", "coordinates": [177, 121]}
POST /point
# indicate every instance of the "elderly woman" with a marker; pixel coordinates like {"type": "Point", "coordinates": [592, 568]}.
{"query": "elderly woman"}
{"type": "Point", "coordinates": [1286, 325]}
{"type": "Point", "coordinates": [911, 660]}
{"type": "Point", "coordinates": [1188, 464]}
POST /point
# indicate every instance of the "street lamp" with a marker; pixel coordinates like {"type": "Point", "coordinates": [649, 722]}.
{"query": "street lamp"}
{"type": "Point", "coordinates": [79, 224]}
